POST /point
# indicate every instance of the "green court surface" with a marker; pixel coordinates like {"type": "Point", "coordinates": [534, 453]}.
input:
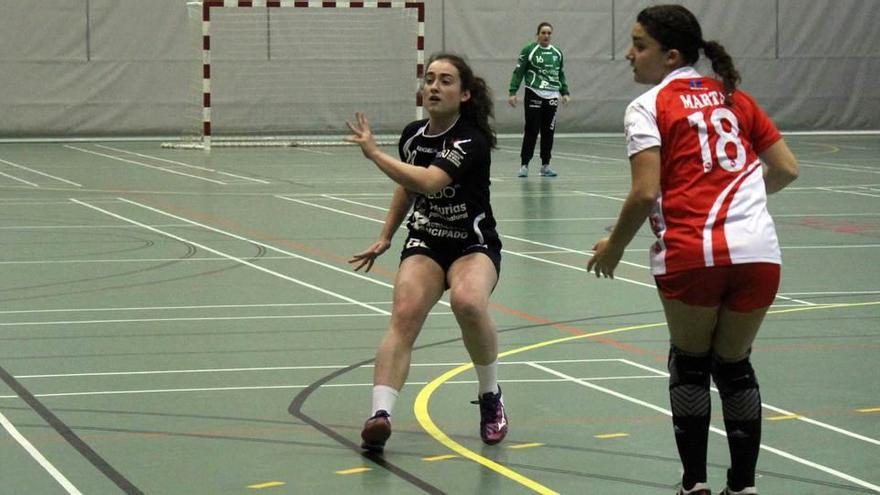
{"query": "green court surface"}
{"type": "Point", "coordinates": [176, 322]}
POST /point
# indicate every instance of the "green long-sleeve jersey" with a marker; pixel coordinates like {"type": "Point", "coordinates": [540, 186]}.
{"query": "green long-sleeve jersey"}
{"type": "Point", "coordinates": [542, 69]}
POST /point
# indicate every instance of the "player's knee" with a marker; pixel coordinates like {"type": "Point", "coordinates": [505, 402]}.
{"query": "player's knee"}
{"type": "Point", "coordinates": [466, 305]}
{"type": "Point", "coordinates": [688, 369]}
{"type": "Point", "coordinates": [733, 377]}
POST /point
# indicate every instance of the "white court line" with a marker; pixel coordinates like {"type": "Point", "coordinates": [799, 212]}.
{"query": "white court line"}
{"type": "Point", "coordinates": [594, 195]}
{"type": "Point", "coordinates": [42, 461]}
{"type": "Point", "coordinates": [792, 457]}
{"type": "Point", "coordinates": [19, 180]}
{"type": "Point", "coordinates": [855, 193]}
{"type": "Point", "coordinates": [233, 258]}
{"type": "Point", "coordinates": [200, 306]}
{"type": "Point", "coordinates": [195, 318]}
{"type": "Point", "coordinates": [795, 300]}
{"type": "Point", "coordinates": [145, 165]}
{"type": "Point", "coordinates": [285, 387]}
{"type": "Point", "coordinates": [16, 165]}
{"type": "Point", "coordinates": [798, 215]}
{"type": "Point", "coordinates": [833, 293]}
{"type": "Point", "coordinates": [849, 168]}
{"type": "Point", "coordinates": [293, 368]}
{"type": "Point", "coordinates": [132, 260]}
{"type": "Point", "coordinates": [53, 227]}
{"type": "Point", "coordinates": [576, 157]}
{"type": "Point", "coordinates": [219, 172]}
{"type": "Point", "coordinates": [776, 409]}
{"type": "Point", "coordinates": [569, 250]}
{"type": "Point", "coordinates": [267, 246]}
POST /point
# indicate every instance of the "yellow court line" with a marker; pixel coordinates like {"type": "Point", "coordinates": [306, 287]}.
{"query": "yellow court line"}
{"type": "Point", "coordinates": [421, 409]}
{"type": "Point", "coordinates": [526, 445]}
{"type": "Point", "coordinates": [424, 418]}
{"type": "Point", "coordinates": [869, 410]}
{"type": "Point", "coordinates": [786, 416]}
{"type": "Point", "coordinates": [353, 470]}
{"type": "Point", "coordinates": [439, 457]}
{"type": "Point", "coordinates": [612, 435]}
{"type": "Point", "coordinates": [268, 484]}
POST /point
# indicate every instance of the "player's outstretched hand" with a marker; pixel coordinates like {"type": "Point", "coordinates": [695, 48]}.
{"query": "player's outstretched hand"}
{"type": "Point", "coordinates": [362, 135]}
{"type": "Point", "coordinates": [511, 100]}
{"type": "Point", "coordinates": [368, 257]}
{"type": "Point", "coordinates": [605, 259]}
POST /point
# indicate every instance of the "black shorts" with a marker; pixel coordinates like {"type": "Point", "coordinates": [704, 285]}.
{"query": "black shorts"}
{"type": "Point", "coordinates": [446, 254]}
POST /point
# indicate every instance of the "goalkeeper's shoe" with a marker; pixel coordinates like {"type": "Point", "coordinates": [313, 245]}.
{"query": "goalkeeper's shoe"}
{"type": "Point", "coordinates": [546, 171]}
{"type": "Point", "coordinates": [493, 418]}
{"type": "Point", "coordinates": [376, 431]}
{"type": "Point", "coordinates": [749, 490]}
{"type": "Point", "coordinates": [697, 489]}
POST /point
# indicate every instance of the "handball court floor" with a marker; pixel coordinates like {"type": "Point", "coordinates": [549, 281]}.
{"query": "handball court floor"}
{"type": "Point", "coordinates": [177, 322]}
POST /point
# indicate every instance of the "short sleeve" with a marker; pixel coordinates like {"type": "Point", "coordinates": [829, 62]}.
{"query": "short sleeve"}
{"type": "Point", "coordinates": [641, 129]}
{"type": "Point", "coordinates": [763, 132]}
{"type": "Point", "coordinates": [462, 154]}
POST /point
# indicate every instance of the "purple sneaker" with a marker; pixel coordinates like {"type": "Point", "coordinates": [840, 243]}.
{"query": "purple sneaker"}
{"type": "Point", "coordinates": [493, 419]}
{"type": "Point", "coordinates": [376, 431]}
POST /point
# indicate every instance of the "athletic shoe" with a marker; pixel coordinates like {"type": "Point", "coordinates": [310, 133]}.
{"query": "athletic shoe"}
{"type": "Point", "coordinates": [493, 419]}
{"type": "Point", "coordinates": [523, 171]}
{"type": "Point", "coordinates": [376, 431]}
{"type": "Point", "coordinates": [546, 171]}
{"type": "Point", "coordinates": [749, 490]}
{"type": "Point", "coordinates": [697, 489]}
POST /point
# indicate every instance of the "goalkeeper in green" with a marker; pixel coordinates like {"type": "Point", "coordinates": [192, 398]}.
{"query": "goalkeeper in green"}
{"type": "Point", "coordinates": [540, 65]}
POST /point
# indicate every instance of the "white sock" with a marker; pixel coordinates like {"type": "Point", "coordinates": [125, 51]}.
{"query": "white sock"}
{"type": "Point", "coordinates": [488, 377]}
{"type": "Point", "coordinates": [384, 397]}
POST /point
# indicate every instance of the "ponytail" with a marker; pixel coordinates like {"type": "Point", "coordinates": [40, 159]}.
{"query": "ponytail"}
{"type": "Point", "coordinates": [722, 64]}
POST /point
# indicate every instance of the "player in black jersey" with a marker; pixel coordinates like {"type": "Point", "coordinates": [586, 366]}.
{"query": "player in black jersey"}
{"type": "Point", "coordinates": [443, 175]}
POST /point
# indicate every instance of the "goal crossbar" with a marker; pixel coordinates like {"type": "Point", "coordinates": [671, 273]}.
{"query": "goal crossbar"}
{"type": "Point", "coordinates": [210, 5]}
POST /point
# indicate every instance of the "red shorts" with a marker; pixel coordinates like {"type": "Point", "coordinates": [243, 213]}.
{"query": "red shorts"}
{"type": "Point", "coordinates": [744, 287]}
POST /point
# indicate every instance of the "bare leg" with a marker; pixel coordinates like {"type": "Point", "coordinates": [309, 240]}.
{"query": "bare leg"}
{"type": "Point", "coordinates": [471, 280]}
{"type": "Point", "coordinates": [419, 284]}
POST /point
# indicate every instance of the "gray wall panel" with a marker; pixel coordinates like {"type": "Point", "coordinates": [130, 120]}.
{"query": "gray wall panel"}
{"type": "Point", "coordinates": [134, 68]}
{"type": "Point", "coordinates": [50, 31]}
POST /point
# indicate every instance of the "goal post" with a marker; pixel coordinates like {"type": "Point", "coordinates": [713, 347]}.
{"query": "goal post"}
{"type": "Point", "coordinates": [285, 72]}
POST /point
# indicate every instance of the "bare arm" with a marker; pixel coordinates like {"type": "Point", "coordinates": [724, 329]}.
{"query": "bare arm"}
{"type": "Point", "coordinates": [419, 179]}
{"type": "Point", "coordinates": [782, 167]}
{"type": "Point", "coordinates": [645, 168]}
{"type": "Point", "coordinates": [400, 203]}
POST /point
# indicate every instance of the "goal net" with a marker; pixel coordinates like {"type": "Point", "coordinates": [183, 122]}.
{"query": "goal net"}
{"type": "Point", "coordinates": [284, 72]}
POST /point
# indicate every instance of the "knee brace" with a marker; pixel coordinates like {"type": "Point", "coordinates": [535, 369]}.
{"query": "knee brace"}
{"type": "Point", "coordinates": [738, 387]}
{"type": "Point", "coordinates": [689, 383]}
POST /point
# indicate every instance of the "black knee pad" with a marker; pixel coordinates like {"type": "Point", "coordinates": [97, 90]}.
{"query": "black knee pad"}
{"type": "Point", "coordinates": [731, 378]}
{"type": "Point", "coordinates": [688, 369]}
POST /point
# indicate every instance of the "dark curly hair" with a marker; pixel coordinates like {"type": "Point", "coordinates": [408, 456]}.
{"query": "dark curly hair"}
{"type": "Point", "coordinates": [675, 27]}
{"type": "Point", "coordinates": [479, 109]}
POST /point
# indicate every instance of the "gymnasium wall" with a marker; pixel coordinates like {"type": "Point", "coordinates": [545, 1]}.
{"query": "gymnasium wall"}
{"type": "Point", "coordinates": [92, 68]}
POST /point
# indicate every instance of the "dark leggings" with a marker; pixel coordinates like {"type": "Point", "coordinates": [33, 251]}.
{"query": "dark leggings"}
{"type": "Point", "coordinates": [540, 117]}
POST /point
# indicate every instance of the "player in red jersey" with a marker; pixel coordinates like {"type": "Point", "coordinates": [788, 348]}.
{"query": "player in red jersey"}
{"type": "Point", "coordinates": [703, 157]}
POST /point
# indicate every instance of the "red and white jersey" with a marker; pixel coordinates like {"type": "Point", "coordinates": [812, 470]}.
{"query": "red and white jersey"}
{"type": "Point", "coordinates": [712, 209]}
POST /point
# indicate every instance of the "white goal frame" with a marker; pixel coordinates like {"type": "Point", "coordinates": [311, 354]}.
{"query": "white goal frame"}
{"type": "Point", "coordinates": [209, 5]}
